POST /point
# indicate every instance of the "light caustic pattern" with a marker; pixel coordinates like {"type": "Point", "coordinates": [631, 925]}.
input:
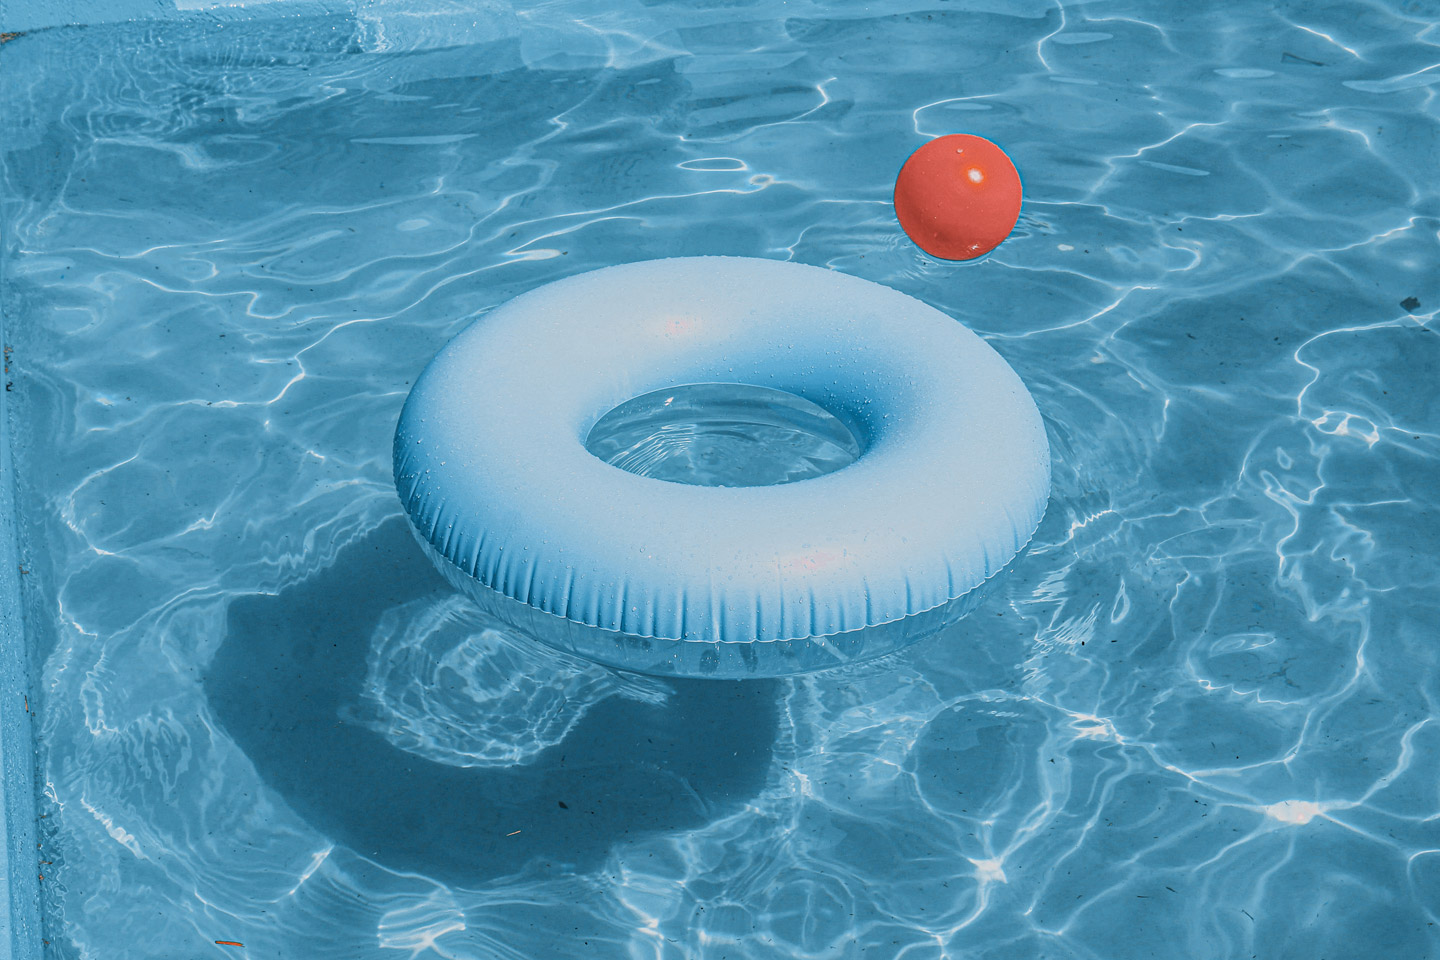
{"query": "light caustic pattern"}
{"type": "Point", "coordinates": [1201, 721]}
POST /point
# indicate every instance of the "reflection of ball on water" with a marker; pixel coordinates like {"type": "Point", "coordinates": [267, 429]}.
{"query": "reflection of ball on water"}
{"type": "Point", "coordinates": [958, 196]}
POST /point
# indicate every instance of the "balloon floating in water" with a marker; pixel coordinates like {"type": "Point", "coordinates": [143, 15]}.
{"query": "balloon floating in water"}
{"type": "Point", "coordinates": [958, 197]}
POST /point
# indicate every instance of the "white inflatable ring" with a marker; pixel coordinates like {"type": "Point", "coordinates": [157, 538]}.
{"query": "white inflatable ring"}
{"type": "Point", "coordinates": [492, 469]}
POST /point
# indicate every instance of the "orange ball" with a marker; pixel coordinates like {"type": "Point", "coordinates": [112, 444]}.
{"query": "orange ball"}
{"type": "Point", "coordinates": [957, 197]}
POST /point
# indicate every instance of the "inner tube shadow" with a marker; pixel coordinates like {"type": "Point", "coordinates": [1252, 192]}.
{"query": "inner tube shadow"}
{"type": "Point", "coordinates": [291, 665]}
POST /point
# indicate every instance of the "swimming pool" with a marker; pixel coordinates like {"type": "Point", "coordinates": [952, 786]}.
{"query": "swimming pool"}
{"type": "Point", "coordinates": [1199, 720]}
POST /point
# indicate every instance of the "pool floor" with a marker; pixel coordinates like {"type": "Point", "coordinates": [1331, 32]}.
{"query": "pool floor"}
{"type": "Point", "coordinates": [1199, 720]}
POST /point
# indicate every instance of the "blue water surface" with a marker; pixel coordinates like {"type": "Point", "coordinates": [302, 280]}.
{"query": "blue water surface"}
{"type": "Point", "coordinates": [1202, 720]}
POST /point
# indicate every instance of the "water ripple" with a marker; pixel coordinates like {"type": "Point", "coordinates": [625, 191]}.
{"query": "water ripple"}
{"type": "Point", "coordinates": [1199, 720]}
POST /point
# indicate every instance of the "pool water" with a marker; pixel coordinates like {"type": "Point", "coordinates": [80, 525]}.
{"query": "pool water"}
{"type": "Point", "coordinates": [1202, 719]}
{"type": "Point", "coordinates": [723, 435]}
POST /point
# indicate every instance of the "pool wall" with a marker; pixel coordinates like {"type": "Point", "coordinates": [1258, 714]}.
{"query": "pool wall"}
{"type": "Point", "coordinates": [18, 16]}
{"type": "Point", "coordinates": [19, 868]}
{"type": "Point", "coordinates": [406, 24]}
{"type": "Point", "coordinates": [19, 900]}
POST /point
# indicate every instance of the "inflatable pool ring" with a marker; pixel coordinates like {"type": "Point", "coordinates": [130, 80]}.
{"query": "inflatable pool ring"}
{"type": "Point", "coordinates": [492, 467]}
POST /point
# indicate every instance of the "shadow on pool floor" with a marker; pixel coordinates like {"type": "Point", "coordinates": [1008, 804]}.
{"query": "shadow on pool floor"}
{"type": "Point", "coordinates": [291, 663]}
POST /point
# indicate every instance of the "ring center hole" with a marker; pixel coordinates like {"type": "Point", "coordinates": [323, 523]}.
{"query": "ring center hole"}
{"type": "Point", "coordinates": [723, 435]}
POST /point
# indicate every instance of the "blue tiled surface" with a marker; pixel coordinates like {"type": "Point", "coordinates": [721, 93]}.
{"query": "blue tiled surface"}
{"type": "Point", "coordinates": [1200, 721]}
